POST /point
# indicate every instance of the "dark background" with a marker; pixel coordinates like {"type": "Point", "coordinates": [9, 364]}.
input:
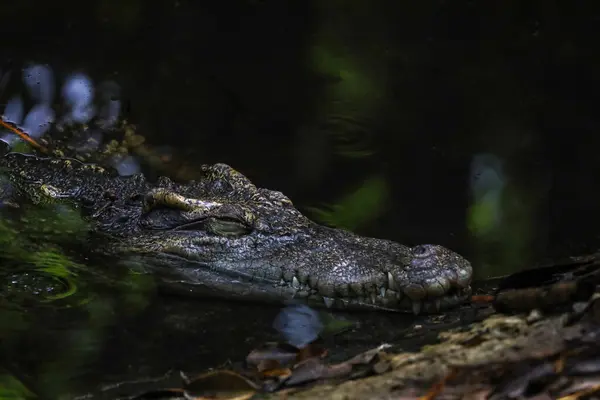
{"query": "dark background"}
{"type": "Point", "coordinates": [318, 98]}
{"type": "Point", "coordinates": [240, 82]}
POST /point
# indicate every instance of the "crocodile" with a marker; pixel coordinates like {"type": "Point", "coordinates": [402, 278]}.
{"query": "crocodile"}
{"type": "Point", "coordinates": [222, 236]}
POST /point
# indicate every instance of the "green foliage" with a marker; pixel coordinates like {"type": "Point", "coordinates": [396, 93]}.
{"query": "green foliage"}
{"type": "Point", "coordinates": [502, 230]}
{"type": "Point", "coordinates": [28, 246]}
{"type": "Point", "coordinates": [482, 215]}
{"type": "Point", "coordinates": [32, 243]}
{"type": "Point", "coordinates": [335, 325]}
{"type": "Point", "coordinates": [11, 388]}
{"type": "Point", "coordinates": [357, 208]}
{"type": "Point", "coordinates": [21, 146]}
{"type": "Point", "coordinates": [344, 120]}
{"type": "Point", "coordinates": [351, 83]}
{"type": "Point", "coordinates": [354, 73]}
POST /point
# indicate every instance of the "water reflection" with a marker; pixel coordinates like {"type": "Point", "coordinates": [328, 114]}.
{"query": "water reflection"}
{"type": "Point", "coordinates": [78, 93]}
{"type": "Point", "coordinates": [83, 103]}
{"type": "Point", "coordinates": [39, 80]}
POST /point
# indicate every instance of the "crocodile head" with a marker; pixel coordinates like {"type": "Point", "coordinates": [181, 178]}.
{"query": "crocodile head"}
{"type": "Point", "coordinates": [223, 236]}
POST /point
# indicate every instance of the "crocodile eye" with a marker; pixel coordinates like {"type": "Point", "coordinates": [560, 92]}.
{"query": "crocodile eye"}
{"type": "Point", "coordinates": [222, 226]}
{"type": "Point", "coordinates": [166, 218]}
{"type": "Point", "coordinates": [227, 227]}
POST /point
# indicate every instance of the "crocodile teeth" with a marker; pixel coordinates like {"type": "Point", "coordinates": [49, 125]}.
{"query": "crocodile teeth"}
{"type": "Point", "coordinates": [391, 281]}
{"type": "Point", "coordinates": [282, 282]}
{"type": "Point", "coordinates": [328, 301]}
{"type": "Point", "coordinates": [416, 307]}
{"type": "Point", "coordinates": [295, 283]}
{"type": "Point", "coordinates": [382, 291]}
{"type": "Point", "coordinates": [373, 298]}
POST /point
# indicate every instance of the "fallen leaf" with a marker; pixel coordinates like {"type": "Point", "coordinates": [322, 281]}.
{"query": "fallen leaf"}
{"type": "Point", "coordinates": [581, 394]}
{"type": "Point", "coordinates": [223, 385]}
{"type": "Point", "coordinates": [283, 354]}
{"type": "Point", "coordinates": [160, 394]}
{"type": "Point", "coordinates": [306, 371]}
{"type": "Point", "coordinates": [280, 373]}
{"type": "Point", "coordinates": [368, 356]}
{"type": "Point", "coordinates": [438, 387]}
{"type": "Point", "coordinates": [267, 365]}
{"type": "Point", "coordinates": [310, 351]}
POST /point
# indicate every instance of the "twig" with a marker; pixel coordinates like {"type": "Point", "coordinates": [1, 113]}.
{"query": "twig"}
{"type": "Point", "coordinates": [20, 133]}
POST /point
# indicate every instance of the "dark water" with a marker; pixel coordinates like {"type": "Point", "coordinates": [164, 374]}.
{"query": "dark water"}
{"type": "Point", "coordinates": [457, 107]}
{"type": "Point", "coordinates": [279, 89]}
{"type": "Point", "coordinates": [103, 347]}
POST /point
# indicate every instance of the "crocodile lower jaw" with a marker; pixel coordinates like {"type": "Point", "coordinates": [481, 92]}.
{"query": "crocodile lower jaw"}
{"type": "Point", "coordinates": [192, 277]}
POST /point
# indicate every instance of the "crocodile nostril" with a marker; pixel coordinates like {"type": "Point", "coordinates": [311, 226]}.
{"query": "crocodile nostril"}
{"type": "Point", "coordinates": [420, 250]}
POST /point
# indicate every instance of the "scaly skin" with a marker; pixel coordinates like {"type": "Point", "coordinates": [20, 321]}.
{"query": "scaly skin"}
{"type": "Point", "coordinates": [223, 236]}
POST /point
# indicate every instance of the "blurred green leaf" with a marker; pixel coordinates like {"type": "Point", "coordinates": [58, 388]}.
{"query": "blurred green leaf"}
{"type": "Point", "coordinates": [502, 230]}
{"type": "Point", "coordinates": [358, 208]}
{"type": "Point", "coordinates": [21, 146]}
{"type": "Point", "coordinates": [334, 325]}
{"type": "Point", "coordinates": [482, 216]}
{"type": "Point", "coordinates": [11, 388]}
{"type": "Point", "coordinates": [26, 245]}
